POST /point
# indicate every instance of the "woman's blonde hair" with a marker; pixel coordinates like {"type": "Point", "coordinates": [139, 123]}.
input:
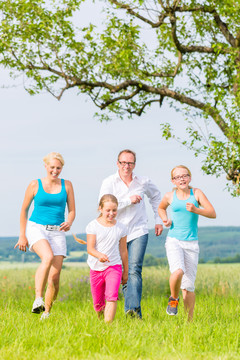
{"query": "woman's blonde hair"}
{"type": "Point", "coordinates": [53, 155]}
{"type": "Point", "coordinates": [105, 198]}
{"type": "Point", "coordinates": [181, 167]}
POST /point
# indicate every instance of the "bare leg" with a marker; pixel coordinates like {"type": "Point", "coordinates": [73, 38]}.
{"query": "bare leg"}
{"type": "Point", "coordinates": [175, 283]}
{"type": "Point", "coordinates": [189, 303]}
{"type": "Point", "coordinates": [44, 251]}
{"type": "Point", "coordinates": [53, 282]}
{"type": "Point", "coordinates": [110, 311]}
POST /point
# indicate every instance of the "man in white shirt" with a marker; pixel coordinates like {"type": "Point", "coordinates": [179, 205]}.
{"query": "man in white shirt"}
{"type": "Point", "coordinates": [130, 189]}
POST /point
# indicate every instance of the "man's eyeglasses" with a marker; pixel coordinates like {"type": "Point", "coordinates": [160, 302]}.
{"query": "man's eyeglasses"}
{"type": "Point", "coordinates": [124, 163]}
{"type": "Point", "coordinates": [183, 177]}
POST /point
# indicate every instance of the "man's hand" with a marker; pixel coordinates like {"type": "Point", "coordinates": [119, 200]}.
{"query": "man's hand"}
{"type": "Point", "coordinates": [124, 278]}
{"type": "Point", "coordinates": [135, 199]}
{"type": "Point", "coordinates": [158, 229]}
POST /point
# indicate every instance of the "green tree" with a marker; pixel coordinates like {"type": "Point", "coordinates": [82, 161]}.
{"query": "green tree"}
{"type": "Point", "coordinates": [183, 52]}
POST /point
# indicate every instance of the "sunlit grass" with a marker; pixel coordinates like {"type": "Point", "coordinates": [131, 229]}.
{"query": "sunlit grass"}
{"type": "Point", "coordinates": [74, 332]}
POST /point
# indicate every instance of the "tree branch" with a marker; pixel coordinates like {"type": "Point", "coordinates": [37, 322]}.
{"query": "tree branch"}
{"type": "Point", "coordinates": [207, 9]}
{"type": "Point", "coordinates": [163, 74]}
{"type": "Point", "coordinates": [137, 15]}
{"type": "Point", "coordinates": [140, 111]}
{"type": "Point", "coordinates": [186, 49]}
{"type": "Point", "coordinates": [169, 12]}
{"type": "Point", "coordinates": [164, 91]}
{"type": "Point", "coordinates": [224, 30]}
{"type": "Point", "coordinates": [123, 97]}
{"type": "Point", "coordinates": [238, 39]}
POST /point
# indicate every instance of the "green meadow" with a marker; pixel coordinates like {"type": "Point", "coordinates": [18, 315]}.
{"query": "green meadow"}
{"type": "Point", "coordinates": [74, 332]}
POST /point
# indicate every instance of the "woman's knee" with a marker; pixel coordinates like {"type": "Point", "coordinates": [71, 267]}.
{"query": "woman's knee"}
{"type": "Point", "coordinates": [53, 281]}
{"type": "Point", "coordinates": [55, 277]}
{"type": "Point", "coordinates": [47, 259]}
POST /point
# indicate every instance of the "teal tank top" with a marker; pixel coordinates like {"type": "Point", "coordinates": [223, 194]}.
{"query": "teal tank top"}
{"type": "Point", "coordinates": [49, 209]}
{"type": "Point", "coordinates": [184, 223]}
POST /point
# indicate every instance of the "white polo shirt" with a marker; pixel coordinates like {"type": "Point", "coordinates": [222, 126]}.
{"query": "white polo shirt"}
{"type": "Point", "coordinates": [134, 216]}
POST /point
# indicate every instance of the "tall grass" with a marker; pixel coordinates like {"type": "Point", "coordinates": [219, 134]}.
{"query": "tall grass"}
{"type": "Point", "coordinates": [74, 332]}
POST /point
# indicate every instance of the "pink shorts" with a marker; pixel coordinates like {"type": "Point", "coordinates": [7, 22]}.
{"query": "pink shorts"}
{"type": "Point", "coordinates": [105, 285]}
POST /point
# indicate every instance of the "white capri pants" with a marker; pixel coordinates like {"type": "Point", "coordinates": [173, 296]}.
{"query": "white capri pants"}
{"type": "Point", "coordinates": [183, 255]}
{"type": "Point", "coordinates": [56, 239]}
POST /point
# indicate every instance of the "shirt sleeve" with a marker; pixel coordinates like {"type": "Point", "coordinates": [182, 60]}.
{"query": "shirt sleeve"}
{"type": "Point", "coordinates": [124, 203]}
{"type": "Point", "coordinates": [154, 197]}
{"type": "Point", "coordinates": [106, 188]}
{"type": "Point", "coordinates": [90, 229]}
{"type": "Point", "coordinates": [124, 230]}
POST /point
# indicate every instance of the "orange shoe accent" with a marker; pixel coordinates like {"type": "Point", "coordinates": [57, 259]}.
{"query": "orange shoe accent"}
{"type": "Point", "coordinates": [173, 303]}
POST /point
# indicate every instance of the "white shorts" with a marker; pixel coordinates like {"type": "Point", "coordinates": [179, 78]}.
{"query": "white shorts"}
{"type": "Point", "coordinates": [56, 239]}
{"type": "Point", "coordinates": [183, 255]}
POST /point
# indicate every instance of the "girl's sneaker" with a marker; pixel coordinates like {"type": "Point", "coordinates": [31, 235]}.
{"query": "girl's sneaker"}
{"type": "Point", "coordinates": [45, 316]}
{"type": "Point", "coordinates": [172, 308]}
{"type": "Point", "coordinates": [38, 305]}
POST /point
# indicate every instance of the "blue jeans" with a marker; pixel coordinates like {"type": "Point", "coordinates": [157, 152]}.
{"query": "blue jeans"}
{"type": "Point", "coordinates": [132, 291]}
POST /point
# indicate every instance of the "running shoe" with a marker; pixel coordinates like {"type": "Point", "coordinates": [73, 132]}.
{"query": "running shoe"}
{"type": "Point", "coordinates": [45, 316]}
{"type": "Point", "coordinates": [172, 308]}
{"type": "Point", "coordinates": [38, 305]}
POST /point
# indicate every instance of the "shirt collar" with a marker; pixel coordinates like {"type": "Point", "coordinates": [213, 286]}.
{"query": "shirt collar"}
{"type": "Point", "coordinates": [117, 176]}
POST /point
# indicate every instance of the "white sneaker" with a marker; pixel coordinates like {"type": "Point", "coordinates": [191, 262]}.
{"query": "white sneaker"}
{"type": "Point", "coordinates": [45, 316]}
{"type": "Point", "coordinates": [38, 305]}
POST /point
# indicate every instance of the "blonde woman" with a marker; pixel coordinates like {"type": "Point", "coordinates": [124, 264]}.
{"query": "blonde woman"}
{"type": "Point", "coordinates": [182, 249]}
{"type": "Point", "coordinates": [44, 232]}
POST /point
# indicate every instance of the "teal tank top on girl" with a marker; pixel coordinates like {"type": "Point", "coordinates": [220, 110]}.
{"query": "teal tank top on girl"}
{"type": "Point", "coordinates": [49, 209]}
{"type": "Point", "coordinates": [184, 223]}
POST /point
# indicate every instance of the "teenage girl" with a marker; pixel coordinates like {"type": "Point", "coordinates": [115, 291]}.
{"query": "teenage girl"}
{"type": "Point", "coordinates": [107, 249]}
{"type": "Point", "coordinates": [182, 248]}
{"type": "Point", "coordinates": [44, 233]}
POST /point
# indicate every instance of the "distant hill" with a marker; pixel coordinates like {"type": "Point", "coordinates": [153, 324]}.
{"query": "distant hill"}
{"type": "Point", "coordinates": [219, 241]}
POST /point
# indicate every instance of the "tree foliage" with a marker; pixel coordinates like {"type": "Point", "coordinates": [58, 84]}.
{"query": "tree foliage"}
{"type": "Point", "coordinates": [184, 52]}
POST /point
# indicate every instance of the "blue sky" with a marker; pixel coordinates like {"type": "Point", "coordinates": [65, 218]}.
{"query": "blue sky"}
{"type": "Point", "coordinates": [31, 127]}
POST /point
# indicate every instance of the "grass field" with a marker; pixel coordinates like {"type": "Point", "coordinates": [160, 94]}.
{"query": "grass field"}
{"type": "Point", "coordinates": [74, 332]}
